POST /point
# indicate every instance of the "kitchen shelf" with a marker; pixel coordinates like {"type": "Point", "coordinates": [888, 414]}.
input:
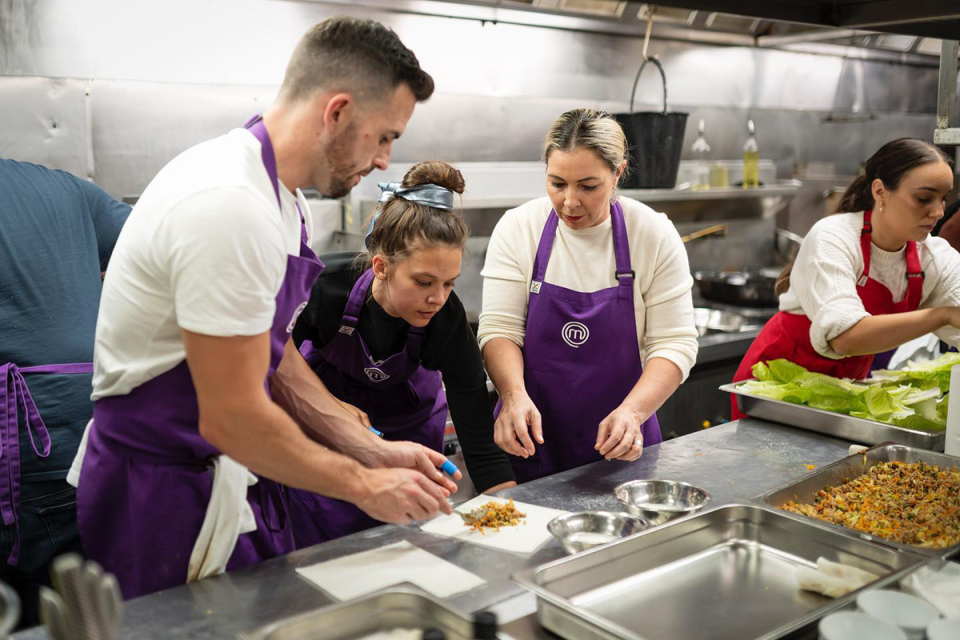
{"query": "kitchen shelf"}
{"type": "Point", "coordinates": [781, 188]}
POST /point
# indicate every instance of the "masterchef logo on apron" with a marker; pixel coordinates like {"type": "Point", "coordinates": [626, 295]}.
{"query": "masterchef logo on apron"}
{"type": "Point", "coordinates": [575, 334]}
{"type": "Point", "coordinates": [296, 314]}
{"type": "Point", "coordinates": [375, 375]}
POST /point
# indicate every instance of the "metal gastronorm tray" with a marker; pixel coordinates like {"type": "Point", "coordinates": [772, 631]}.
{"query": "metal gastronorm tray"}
{"type": "Point", "coordinates": [833, 424]}
{"type": "Point", "coordinates": [849, 468]}
{"type": "Point", "coordinates": [725, 573]}
{"type": "Point", "coordinates": [395, 608]}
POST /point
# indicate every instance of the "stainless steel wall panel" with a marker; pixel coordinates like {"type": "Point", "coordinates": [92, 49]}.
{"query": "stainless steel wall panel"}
{"type": "Point", "coordinates": [163, 76]}
{"type": "Point", "coordinates": [139, 126]}
{"type": "Point", "coordinates": [45, 120]}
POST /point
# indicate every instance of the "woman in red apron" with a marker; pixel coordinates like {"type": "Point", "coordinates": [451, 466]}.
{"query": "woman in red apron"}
{"type": "Point", "coordinates": [587, 323]}
{"type": "Point", "coordinates": [869, 279]}
{"type": "Point", "coordinates": [386, 337]}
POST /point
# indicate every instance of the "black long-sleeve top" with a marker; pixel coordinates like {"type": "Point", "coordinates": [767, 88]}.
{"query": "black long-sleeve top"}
{"type": "Point", "coordinates": [449, 346]}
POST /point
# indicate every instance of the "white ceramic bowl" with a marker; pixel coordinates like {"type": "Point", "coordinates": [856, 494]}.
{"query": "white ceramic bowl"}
{"type": "Point", "coordinates": [849, 625]}
{"type": "Point", "coordinates": [944, 629]}
{"type": "Point", "coordinates": [910, 613]}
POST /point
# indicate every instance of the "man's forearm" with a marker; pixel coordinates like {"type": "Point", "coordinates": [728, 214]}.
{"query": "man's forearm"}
{"type": "Point", "coordinates": [262, 437]}
{"type": "Point", "coordinates": [299, 392]}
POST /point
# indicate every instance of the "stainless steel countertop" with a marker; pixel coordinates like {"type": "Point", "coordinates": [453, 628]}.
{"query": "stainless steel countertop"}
{"type": "Point", "coordinates": [734, 462]}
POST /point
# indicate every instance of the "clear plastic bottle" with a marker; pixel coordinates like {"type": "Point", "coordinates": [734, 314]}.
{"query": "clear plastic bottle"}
{"type": "Point", "coordinates": [701, 157]}
{"type": "Point", "coordinates": [751, 159]}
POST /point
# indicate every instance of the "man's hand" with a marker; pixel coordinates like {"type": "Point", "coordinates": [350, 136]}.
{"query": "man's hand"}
{"type": "Point", "coordinates": [410, 455]}
{"type": "Point", "coordinates": [400, 496]}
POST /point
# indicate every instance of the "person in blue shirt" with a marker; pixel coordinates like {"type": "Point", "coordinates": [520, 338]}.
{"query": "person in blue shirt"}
{"type": "Point", "coordinates": [56, 236]}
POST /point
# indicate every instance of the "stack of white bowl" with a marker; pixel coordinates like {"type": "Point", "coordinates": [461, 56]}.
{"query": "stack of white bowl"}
{"type": "Point", "coordinates": [889, 615]}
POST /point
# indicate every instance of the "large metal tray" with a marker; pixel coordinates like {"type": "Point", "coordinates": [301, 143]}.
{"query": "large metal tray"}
{"type": "Point", "coordinates": [725, 573]}
{"type": "Point", "coordinates": [833, 424]}
{"type": "Point", "coordinates": [397, 608]}
{"type": "Point", "coordinates": [847, 469]}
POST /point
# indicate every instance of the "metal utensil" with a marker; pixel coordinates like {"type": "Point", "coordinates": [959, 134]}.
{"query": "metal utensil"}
{"type": "Point", "coordinates": [578, 532]}
{"type": "Point", "coordinates": [53, 614]}
{"type": "Point", "coordinates": [9, 609]}
{"type": "Point", "coordinates": [658, 501]}
{"type": "Point", "coordinates": [717, 229]}
{"type": "Point", "coordinates": [90, 603]}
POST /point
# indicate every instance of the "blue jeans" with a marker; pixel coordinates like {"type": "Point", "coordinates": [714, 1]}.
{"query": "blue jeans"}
{"type": "Point", "coordinates": [48, 528]}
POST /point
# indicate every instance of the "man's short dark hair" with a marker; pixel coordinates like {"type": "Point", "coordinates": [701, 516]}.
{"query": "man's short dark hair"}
{"type": "Point", "coordinates": [362, 57]}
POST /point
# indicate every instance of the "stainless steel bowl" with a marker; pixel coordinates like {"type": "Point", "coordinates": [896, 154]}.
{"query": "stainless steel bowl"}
{"type": "Point", "coordinates": [708, 319]}
{"type": "Point", "coordinates": [587, 529]}
{"type": "Point", "coordinates": [658, 501]}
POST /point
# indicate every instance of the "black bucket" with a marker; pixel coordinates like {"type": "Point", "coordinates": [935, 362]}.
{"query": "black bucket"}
{"type": "Point", "coordinates": [655, 140]}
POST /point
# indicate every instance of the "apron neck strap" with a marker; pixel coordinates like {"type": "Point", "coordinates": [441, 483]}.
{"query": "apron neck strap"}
{"type": "Point", "coordinates": [545, 246]}
{"type": "Point", "coordinates": [915, 274]}
{"type": "Point", "coordinates": [259, 130]}
{"type": "Point", "coordinates": [621, 247]}
{"type": "Point", "coordinates": [865, 240]}
{"type": "Point", "coordinates": [351, 313]}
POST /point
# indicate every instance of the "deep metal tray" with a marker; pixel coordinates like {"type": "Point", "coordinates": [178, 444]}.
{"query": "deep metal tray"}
{"type": "Point", "coordinates": [397, 608]}
{"type": "Point", "coordinates": [847, 469]}
{"type": "Point", "coordinates": [725, 573]}
{"type": "Point", "coordinates": [833, 424]}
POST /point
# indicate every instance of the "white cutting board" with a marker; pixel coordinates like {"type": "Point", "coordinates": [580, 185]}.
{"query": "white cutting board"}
{"type": "Point", "coordinates": [526, 537]}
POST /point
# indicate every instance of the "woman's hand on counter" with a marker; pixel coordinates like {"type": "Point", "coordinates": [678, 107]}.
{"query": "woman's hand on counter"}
{"type": "Point", "coordinates": [500, 487]}
{"type": "Point", "coordinates": [518, 418]}
{"type": "Point", "coordinates": [620, 436]}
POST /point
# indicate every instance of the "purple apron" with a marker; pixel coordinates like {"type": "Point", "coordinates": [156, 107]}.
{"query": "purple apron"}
{"type": "Point", "coordinates": [580, 359]}
{"type": "Point", "coordinates": [146, 482]}
{"type": "Point", "coordinates": [13, 394]}
{"type": "Point", "coordinates": [403, 400]}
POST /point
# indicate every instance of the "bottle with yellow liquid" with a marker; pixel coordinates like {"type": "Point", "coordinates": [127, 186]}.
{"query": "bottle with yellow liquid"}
{"type": "Point", "coordinates": [751, 159]}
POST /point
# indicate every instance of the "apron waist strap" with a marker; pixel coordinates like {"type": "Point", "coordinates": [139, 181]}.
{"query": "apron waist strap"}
{"type": "Point", "coordinates": [15, 398]}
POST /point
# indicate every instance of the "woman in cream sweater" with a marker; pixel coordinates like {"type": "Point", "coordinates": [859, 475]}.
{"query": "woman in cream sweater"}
{"type": "Point", "coordinates": [587, 323]}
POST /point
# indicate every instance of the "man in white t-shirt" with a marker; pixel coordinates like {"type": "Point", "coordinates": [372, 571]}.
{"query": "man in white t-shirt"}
{"type": "Point", "coordinates": [196, 379]}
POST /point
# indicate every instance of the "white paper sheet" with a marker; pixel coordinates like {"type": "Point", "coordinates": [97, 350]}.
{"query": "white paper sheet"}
{"type": "Point", "coordinates": [362, 573]}
{"type": "Point", "coordinates": [526, 537]}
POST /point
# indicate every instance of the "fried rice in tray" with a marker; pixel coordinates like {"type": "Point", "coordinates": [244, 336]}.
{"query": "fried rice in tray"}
{"type": "Point", "coordinates": [910, 503]}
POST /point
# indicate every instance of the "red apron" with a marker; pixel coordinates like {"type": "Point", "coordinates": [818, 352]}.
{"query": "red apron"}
{"type": "Point", "coordinates": [787, 335]}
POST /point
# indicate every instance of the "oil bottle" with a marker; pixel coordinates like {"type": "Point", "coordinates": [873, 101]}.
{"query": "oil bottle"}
{"type": "Point", "coordinates": [751, 159]}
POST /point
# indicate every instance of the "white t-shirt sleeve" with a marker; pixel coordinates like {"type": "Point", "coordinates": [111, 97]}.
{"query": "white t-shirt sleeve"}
{"type": "Point", "coordinates": [226, 262]}
{"type": "Point", "coordinates": [670, 330]}
{"type": "Point", "coordinates": [826, 287]}
{"type": "Point", "coordinates": [946, 289]}
{"type": "Point", "coordinates": [504, 311]}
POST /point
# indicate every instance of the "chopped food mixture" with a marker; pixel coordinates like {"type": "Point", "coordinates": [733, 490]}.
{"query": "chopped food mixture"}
{"type": "Point", "coordinates": [909, 503]}
{"type": "Point", "coordinates": [493, 515]}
